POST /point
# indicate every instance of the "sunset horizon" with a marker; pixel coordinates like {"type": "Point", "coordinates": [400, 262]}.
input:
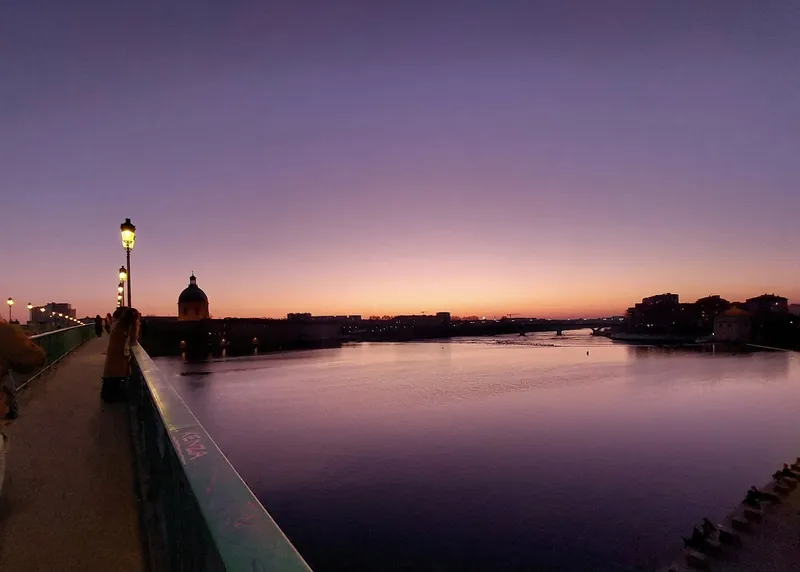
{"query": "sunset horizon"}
{"type": "Point", "coordinates": [522, 159]}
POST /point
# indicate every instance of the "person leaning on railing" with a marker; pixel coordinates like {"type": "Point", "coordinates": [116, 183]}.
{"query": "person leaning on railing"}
{"type": "Point", "coordinates": [18, 353]}
{"type": "Point", "coordinates": [117, 370]}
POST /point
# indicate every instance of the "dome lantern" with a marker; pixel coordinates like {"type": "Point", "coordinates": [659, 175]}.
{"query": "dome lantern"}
{"type": "Point", "coordinates": [193, 302]}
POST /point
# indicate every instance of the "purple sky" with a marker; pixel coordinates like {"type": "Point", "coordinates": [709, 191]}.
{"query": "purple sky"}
{"type": "Point", "coordinates": [541, 157]}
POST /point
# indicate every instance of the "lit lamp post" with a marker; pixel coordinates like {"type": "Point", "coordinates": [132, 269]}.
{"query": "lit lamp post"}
{"type": "Point", "coordinates": [10, 303]}
{"type": "Point", "coordinates": [123, 277]}
{"type": "Point", "coordinates": [30, 307]}
{"type": "Point", "coordinates": [128, 232]}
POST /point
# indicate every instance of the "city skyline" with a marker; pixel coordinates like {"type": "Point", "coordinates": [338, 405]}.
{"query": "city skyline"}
{"type": "Point", "coordinates": [164, 310]}
{"type": "Point", "coordinates": [366, 159]}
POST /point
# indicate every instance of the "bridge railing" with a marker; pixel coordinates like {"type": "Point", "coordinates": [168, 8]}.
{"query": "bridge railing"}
{"type": "Point", "coordinates": [200, 513]}
{"type": "Point", "coordinates": [56, 345]}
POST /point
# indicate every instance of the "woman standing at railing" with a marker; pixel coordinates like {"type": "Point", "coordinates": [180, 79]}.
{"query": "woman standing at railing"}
{"type": "Point", "coordinates": [124, 334]}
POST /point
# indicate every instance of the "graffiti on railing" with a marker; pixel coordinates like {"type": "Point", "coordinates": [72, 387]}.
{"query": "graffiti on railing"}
{"type": "Point", "coordinates": [190, 445]}
{"type": "Point", "coordinates": [237, 520]}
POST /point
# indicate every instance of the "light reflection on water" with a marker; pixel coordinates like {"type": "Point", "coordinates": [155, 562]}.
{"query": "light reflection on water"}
{"type": "Point", "coordinates": [499, 453]}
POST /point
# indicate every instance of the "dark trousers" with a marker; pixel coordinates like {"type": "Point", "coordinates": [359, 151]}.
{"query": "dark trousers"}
{"type": "Point", "coordinates": [113, 389]}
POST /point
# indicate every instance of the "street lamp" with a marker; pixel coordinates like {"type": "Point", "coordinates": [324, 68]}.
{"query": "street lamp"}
{"type": "Point", "coordinates": [123, 277]}
{"type": "Point", "coordinates": [123, 274]}
{"type": "Point", "coordinates": [128, 232]}
{"type": "Point", "coordinates": [10, 303]}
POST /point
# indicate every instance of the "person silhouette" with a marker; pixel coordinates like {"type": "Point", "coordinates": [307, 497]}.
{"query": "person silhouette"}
{"type": "Point", "coordinates": [117, 368]}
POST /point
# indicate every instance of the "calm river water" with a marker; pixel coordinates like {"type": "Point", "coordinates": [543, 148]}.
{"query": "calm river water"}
{"type": "Point", "coordinates": [498, 454]}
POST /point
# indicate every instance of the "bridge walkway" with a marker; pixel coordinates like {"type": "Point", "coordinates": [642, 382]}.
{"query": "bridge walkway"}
{"type": "Point", "coordinates": [69, 500]}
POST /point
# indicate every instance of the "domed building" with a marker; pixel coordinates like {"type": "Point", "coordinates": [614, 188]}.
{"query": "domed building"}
{"type": "Point", "coordinates": [193, 302]}
{"type": "Point", "coordinates": [732, 326]}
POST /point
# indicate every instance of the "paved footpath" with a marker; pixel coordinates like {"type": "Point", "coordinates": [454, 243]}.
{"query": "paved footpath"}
{"type": "Point", "coordinates": [69, 501]}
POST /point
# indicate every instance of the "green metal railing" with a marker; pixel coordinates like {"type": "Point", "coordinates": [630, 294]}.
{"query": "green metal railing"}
{"type": "Point", "coordinates": [56, 345]}
{"type": "Point", "coordinates": [200, 514]}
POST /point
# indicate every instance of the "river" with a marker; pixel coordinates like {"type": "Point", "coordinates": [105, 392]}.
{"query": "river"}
{"type": "Point", "coordinates": [507, 454]}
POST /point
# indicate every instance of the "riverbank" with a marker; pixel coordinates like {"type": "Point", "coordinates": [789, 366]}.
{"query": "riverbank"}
{"type": "Point", "coordinates": [636, 338]}
{"type": "Point", "coordinates": [766, 537]}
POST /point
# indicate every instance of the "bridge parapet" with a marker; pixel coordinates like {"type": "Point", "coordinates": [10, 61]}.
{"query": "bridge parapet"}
{"type": "Point", "coordinates": [56, 345]}
{"type": "Point", "coordinates": [200, 513]}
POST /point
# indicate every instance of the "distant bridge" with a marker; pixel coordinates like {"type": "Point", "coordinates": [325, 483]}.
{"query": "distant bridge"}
{"type": "Point", "coordinates": [521, 326]}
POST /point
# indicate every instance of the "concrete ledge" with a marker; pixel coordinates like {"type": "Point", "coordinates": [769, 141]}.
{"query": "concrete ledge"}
{"type": "Point", "coordinates": [697, 560]}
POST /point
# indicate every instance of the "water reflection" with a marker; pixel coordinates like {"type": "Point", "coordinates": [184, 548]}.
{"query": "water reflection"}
{"type": "Point", "coordinates": [479, 455]}
{"type": "Point", "coordinates": [715, 363]}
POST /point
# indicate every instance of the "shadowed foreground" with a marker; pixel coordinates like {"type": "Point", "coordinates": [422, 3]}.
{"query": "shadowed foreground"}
{"type": "Point", "coordinates": [69, 501]}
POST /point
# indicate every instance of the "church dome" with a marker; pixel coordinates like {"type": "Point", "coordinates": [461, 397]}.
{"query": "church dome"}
{"type": "Point", "coordinates": [734, 313]}
{"type": "Point", "coordinates": [192, 293]}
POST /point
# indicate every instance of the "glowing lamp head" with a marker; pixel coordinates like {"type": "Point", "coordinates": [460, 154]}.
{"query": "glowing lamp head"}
{"type": "Point", "coordinates": [41, 309]}
{"type": "Point", "coordinates": [30, 306]}
{"type": "Point", "coordinates": [10, 301]}
{"type": "Point", "coordinates": [123, 274]}
{"type": "Point", "coordinates": [128, 232]}
{"type": "Point", "coordinates": [119, 288]}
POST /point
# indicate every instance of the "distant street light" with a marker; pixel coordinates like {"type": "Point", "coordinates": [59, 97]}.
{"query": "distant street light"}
{"type": "Point", "coordinates": [41, 309]}
{"type": "Point", "coordinates": [128, 232]}
{"type": "Point", "coordinates": [30, 306]}
{"type": "Point", "coordinates": [10, 303]}
{"type": "Point", "coordinates": [123, 277]}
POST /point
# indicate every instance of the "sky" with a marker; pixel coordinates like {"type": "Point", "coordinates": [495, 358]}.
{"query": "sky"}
{"type": "Point", "coordinates": [540, 157]}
